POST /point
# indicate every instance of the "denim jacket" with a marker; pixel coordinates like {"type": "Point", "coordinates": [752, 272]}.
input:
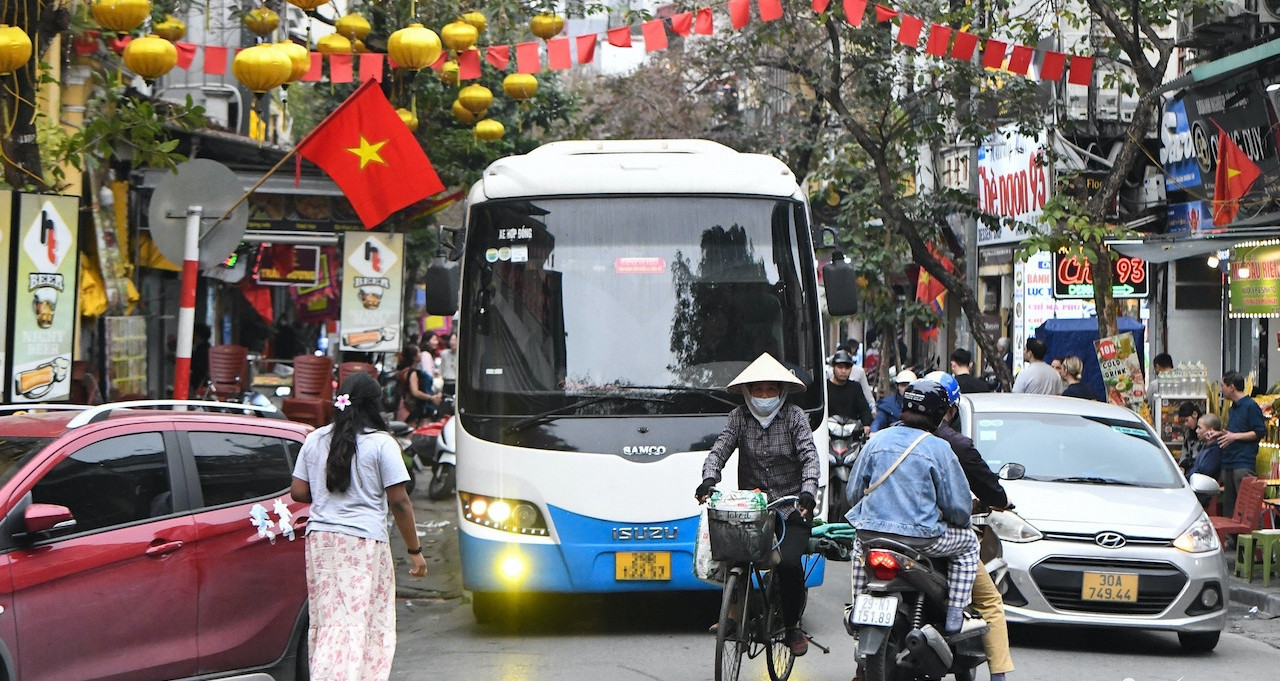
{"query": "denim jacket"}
{"type": "Point", "coordinates": [927, 491]}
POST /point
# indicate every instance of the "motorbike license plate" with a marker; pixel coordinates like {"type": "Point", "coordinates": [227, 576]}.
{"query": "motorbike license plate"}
{"type": "Point", "coordinates": [876, 611]}
{"type": "Point", "coordinates": [1109, 586]}
{"type": "Point", "coordinates": [642, 566]}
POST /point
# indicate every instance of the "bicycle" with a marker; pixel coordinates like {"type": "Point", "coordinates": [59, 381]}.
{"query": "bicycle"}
{"type": "Point", "coordinates": [751, 619]}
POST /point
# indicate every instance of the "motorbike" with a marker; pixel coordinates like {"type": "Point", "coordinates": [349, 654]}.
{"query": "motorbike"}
{"type": "Point", "coordinates": [404, 435]}
{"type": "Point", "coordinates": [434, 444]}
{"type": "Point", "coordinates": [846, 438]}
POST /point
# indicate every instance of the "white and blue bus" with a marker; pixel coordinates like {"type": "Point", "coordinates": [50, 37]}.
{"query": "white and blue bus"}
{"type": "Point", "coordinates": [609, 290]}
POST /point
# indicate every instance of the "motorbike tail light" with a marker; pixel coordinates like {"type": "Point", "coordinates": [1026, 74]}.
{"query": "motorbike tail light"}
{"type": "Point", "coordinates": [839, 448]}
{"type": "Point", "coordinates": [883, 564]}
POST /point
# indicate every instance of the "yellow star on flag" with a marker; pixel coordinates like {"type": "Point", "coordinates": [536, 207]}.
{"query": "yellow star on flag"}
{"type": "Point", "coordinates": [368, 153]}
{"type": "Point", "coordinates": [1232, 173]}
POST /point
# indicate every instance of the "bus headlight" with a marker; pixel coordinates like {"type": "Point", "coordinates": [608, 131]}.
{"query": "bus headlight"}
{"type": "Point", "coordinates": [509, 515]}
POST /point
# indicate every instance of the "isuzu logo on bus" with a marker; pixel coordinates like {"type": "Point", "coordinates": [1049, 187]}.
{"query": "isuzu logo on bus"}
{"type": "Point", "coordinates": [644, 533]}
{"type": "Point", "coordinates": [644, 450]}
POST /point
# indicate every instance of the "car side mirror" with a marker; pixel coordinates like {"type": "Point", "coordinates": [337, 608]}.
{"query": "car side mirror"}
{"type": "Point", "coordinates": [47, 518]}
{"type": "Point", "coordinates": [1012, 471]}
{"type": "Point", "coordinates": [1204, 484]}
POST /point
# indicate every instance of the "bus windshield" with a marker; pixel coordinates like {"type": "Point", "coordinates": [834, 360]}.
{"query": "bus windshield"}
{"type": "Point", "coordinates": [654, 301]}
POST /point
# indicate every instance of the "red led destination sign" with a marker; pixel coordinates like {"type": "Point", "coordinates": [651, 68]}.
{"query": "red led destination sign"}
{"type": "Point", "coordinates": [1073, 278]}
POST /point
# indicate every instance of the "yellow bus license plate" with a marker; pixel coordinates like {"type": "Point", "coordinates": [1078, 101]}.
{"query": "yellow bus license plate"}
{"type": "Point", "coordinates": [642, 566]}
{"type": "Point", "coordinates": [1109, 586]}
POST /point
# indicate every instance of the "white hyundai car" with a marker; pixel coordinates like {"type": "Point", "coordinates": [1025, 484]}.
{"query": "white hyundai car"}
{"type": "Point", "coordinates": [1105, 529]}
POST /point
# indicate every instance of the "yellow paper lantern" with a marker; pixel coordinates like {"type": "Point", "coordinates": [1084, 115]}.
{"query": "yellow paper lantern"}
{"type": "Point", "coordinates": [476, 19]}
{"type": "Point", "coordinates": [414, 47]}
{"type": "Point", "coordinates": [299, 57]}
{"type": "Point", "coordinates": [459, 35]}
{"type": "Point", "coordinates": [546, 26]}
{"type": "Point", "coordinates": [520, 86]}
{"type": "Point", "coordinates": [150, 57]}
{"type": "Point", "coordinates": [359, 47]}
{"type": "Point", "coordinates": [120, 15]}
{"type": "Point", "coordinates": [449, 73]}
{"type": "Point", "coordinates": [171, 29]}
{"type": "Point", "coordinates": [15, 49]}
{"type": "Point", "coordinates": [463, 114]}
{"type": "Point", "coordinates": [489, 130]}
{"type": "Point", "coordinates": [308, 5]}
{"type": "Point", "coordinates": [261, 21]}
{"type": "Point", "coordinates": [262, 67]}
{"type": "Point", "coordinates": [476, 98]}
{"type": "Point", "coordinates": [334, 44]}
{"type": "Point", "coordinates": [353, 26]}
{"type": "Point", "coordinates": [410, 119]}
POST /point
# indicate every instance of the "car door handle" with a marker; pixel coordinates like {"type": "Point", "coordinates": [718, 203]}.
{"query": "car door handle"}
{"type": "Point", "coordinates": [163, 549]}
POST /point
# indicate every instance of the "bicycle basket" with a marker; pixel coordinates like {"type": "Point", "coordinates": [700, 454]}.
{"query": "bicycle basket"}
{"type": "Point", "coordinates": [742, 536]}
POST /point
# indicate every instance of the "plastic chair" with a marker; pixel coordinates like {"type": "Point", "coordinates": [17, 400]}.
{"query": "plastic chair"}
{"type": "Point", "coordinates": [347, 368]}
{"type": "Point", "coordinates": [228, 370]}
{"type": "Point", "coordinates": [1267, 546]}
{"type": "Point", "coordinates": [312, 398]}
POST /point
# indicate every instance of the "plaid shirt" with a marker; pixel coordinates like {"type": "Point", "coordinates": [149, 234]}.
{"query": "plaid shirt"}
{"type": "Point", "coordinates": [780, 461]}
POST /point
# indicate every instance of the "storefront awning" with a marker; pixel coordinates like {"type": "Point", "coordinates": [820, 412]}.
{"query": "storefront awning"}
{"type": "Point", "coordinates": [1166, 250]}
{"type": "Point", "coordinates": [1220, 68]}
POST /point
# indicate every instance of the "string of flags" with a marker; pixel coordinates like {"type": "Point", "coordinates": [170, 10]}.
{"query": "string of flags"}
{"type": "Point", "coordinates": [939, 41]}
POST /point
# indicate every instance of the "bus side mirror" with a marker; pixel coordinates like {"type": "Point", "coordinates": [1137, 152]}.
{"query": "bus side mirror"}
{"type": "Point", "coordinates": [444, 286]}
{"type": "Point", "coordinates": [841, 283]}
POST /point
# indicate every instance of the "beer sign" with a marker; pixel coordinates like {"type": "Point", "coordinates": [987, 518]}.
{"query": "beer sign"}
{"type": "Point", "coordinates": [372, 291]}
{"type": "Point", "coordinates": [44, 298]}
{"type": "Point", "coordinates": [1073, 278]}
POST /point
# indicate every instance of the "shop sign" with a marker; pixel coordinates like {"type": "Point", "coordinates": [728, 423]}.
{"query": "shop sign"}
{"type": "Point", "coordinates": [44, 301]}
{"type": "Point", "coordinates": [1034, 304]}
{"type": "Point", "coordinates": [300, 269]}
{"type": "Point", "coordinates": [1121, 370]}
{"type": "Point", "coordinates": [302, 212]}
{"type": "Point", "coordinates": [319, 303]}
{"type": "Point", "coordinates": [372, 291]}
{"type": "Point", "coordinates": [1190, 218]}
{"type": "Point", "coordinates": [1013, 182]}
{"type": "Point", "coordinates": [1073, 278]}
{"type": "Point", "coordinates": [1257, 294]}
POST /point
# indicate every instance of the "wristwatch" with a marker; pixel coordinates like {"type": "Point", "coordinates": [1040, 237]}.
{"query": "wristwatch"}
{"type": "Point", "coordinates": [414, 552]}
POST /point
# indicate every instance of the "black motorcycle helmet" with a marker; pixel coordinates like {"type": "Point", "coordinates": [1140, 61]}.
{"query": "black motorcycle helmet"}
{"type": "Point", "coordinates": [926, 397]}
{"type": "Point", "coordinates": [841, 357]}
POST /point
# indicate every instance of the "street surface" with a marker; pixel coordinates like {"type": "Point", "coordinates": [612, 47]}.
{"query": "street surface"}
{"type": "Point", "coordinates": [665, 638]}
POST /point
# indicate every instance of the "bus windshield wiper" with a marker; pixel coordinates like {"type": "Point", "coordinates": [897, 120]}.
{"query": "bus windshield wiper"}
{"type": "Point", "coordinates": [705, 392]}
{"type": "Point", "coordinates": [552, 414]}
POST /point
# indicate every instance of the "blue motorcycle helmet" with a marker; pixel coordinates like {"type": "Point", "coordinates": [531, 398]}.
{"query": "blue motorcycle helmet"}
{"type": "Point", "coordinates": [948, 382]}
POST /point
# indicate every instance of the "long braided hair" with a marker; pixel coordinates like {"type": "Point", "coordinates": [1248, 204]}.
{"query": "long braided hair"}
{"type": "Point", "coordinates": [359, 416]}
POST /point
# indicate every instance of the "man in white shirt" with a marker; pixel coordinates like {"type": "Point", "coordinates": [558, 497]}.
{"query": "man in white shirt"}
{"type": "Point", "coordinates": [1037, 377]}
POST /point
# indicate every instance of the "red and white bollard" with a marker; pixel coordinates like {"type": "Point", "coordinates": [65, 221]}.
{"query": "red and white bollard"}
{"type": "Point", "coordinates": [187, 305]}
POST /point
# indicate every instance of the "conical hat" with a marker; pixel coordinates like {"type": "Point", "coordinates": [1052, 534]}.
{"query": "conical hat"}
{"type": "Point", "coordinates": [766, 368]}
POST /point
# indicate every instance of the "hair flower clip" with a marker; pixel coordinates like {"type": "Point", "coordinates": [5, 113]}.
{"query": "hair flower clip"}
{"type": "Point", "coordinates": [343, 401]}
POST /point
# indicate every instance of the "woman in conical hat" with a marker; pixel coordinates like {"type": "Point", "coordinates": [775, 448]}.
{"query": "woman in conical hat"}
{"type": "Point", "coordinates": [775, 455]}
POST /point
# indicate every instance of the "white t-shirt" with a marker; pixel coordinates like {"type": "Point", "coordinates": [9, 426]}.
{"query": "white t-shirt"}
{"type": "Point", "coordinates": [1038, 378]}
{"type": "Point", "coordinates": [361, 511]}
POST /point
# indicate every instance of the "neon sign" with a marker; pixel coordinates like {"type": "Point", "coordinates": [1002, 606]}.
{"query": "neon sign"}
{"type": "Point", "coordinates": [1073, 278]}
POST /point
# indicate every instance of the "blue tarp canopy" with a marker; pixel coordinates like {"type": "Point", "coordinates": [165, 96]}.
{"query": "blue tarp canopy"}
{"type": "Point", "coordinates": [1076, 336]}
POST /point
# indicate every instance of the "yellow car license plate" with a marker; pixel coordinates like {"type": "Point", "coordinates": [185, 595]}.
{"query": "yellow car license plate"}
{"type": "Point", "coordinates": [1109, 586]}
{"type": "Point", "coordinates": [642, 566]}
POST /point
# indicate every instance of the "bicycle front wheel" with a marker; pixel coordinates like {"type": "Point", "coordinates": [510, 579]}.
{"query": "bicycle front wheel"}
{"type": "Point", "coordinates": [778, 651]}
{"type": "Point", "coordinates": [731, 635]}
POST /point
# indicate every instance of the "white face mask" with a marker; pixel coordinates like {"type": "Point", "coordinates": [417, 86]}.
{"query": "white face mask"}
{"type": "Point", "coordinates": [765, 405]}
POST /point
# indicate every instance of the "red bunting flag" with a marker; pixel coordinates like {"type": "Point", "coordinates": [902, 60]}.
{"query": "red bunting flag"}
{"type": "Point", "coordinates": [559, 56]}
{"type": "Point", "coordinates": [371, 67]}
{"type": "Point", "coordinates": [316, 72]}
{"type": "Point", "coordinates": [909, 31]}
{"type": "Point", "coordinates": [739, 13]}
{"type": "Point", "coordinates": [372, 156]}
{"type": "Point", "coordinates": [469, 65]}
{"type": "Point", "coordinates": [619, 37]}
{"type": "Point", "coordinates": [586, 48]}
{"type": "Point", "coordinates": [702, 23]}
{"type": "Point", "coordinates": [340, 68]}
{"type": "Point", "coordinates": [1051, 68]}
{"type": "Point", "coordinates": [1233, 179]}
{"type": "Point", "coordinates": [655, 35]}
{"type": "Point", "coordinates": [499, 56]}
{"type": "Point", "coordinates": [1020, 59]}
{"type": "Point", "coordinates": [1081, 72]}
{"type": "Point", "coordinates": [528, 58]}
{"type": "Point", "coordinates": [993, 54]}
{"type": "Point", "coordinates": [770, 10]}
{"type": "Point", "coordinates": [682, 23]}
{"type": "Point", "coordinates": [820, 6]}
{"type": "Point", "coordinates": [186, 54]}
{"type": "Point", "coordinates": [215, 60]}
{"type": "Point", "coordinates": [884, 14]}
{"type": "Point", "coordinates": [939, 40]}
{"type": "Point", "coordinates": [854, 11]}
{"type": "Point", "coordinates": [964, 46]}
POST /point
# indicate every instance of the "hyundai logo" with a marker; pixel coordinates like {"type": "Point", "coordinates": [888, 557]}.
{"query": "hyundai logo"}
{"type": "Point", "coordinates": [1110, 540]}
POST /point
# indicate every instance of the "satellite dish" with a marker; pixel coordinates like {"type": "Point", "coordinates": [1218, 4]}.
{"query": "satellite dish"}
{"type": "Point", "coordinates": [213, 187]}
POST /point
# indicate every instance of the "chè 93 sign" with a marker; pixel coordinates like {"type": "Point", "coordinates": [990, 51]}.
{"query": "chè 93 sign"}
{"type": "Point", "coordinates": [1073, 278]}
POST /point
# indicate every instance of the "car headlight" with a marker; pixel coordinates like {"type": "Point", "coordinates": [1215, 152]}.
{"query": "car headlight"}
{"type": "Point", "coordinates": [1199, 538]}
{"type": "Point", "coordinates": [1010, 526]}
{"type": "Point", "coordinates": [508, 515]}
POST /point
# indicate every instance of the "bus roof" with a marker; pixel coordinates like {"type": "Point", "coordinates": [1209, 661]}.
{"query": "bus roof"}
{"type": "Point", "coordinates": [634, 167]}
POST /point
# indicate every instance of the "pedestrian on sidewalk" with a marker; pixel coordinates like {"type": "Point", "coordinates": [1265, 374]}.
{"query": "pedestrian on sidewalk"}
{"type": "Point", "coordinates": [1239, 442]}
{"type": "Point", "coordinates": [359, 473]}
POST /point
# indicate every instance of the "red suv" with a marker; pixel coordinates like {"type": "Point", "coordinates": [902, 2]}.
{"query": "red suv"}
{"type": "Point", "coordinates": [130, 547]}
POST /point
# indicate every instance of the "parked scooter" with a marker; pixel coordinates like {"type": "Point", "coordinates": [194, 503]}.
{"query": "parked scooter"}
{"type": "Point", "coordinates": [845, 440]}
{"type": "Point", "coordinates": [404, 435]}
{"type": "Point", "coordinates": [434, 444]}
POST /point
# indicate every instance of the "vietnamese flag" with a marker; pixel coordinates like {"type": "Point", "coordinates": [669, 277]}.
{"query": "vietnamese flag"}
{"type": "Point", "coordinates": [1235, 176]}
{"type": "Point", "coordinates": [371, 155]}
